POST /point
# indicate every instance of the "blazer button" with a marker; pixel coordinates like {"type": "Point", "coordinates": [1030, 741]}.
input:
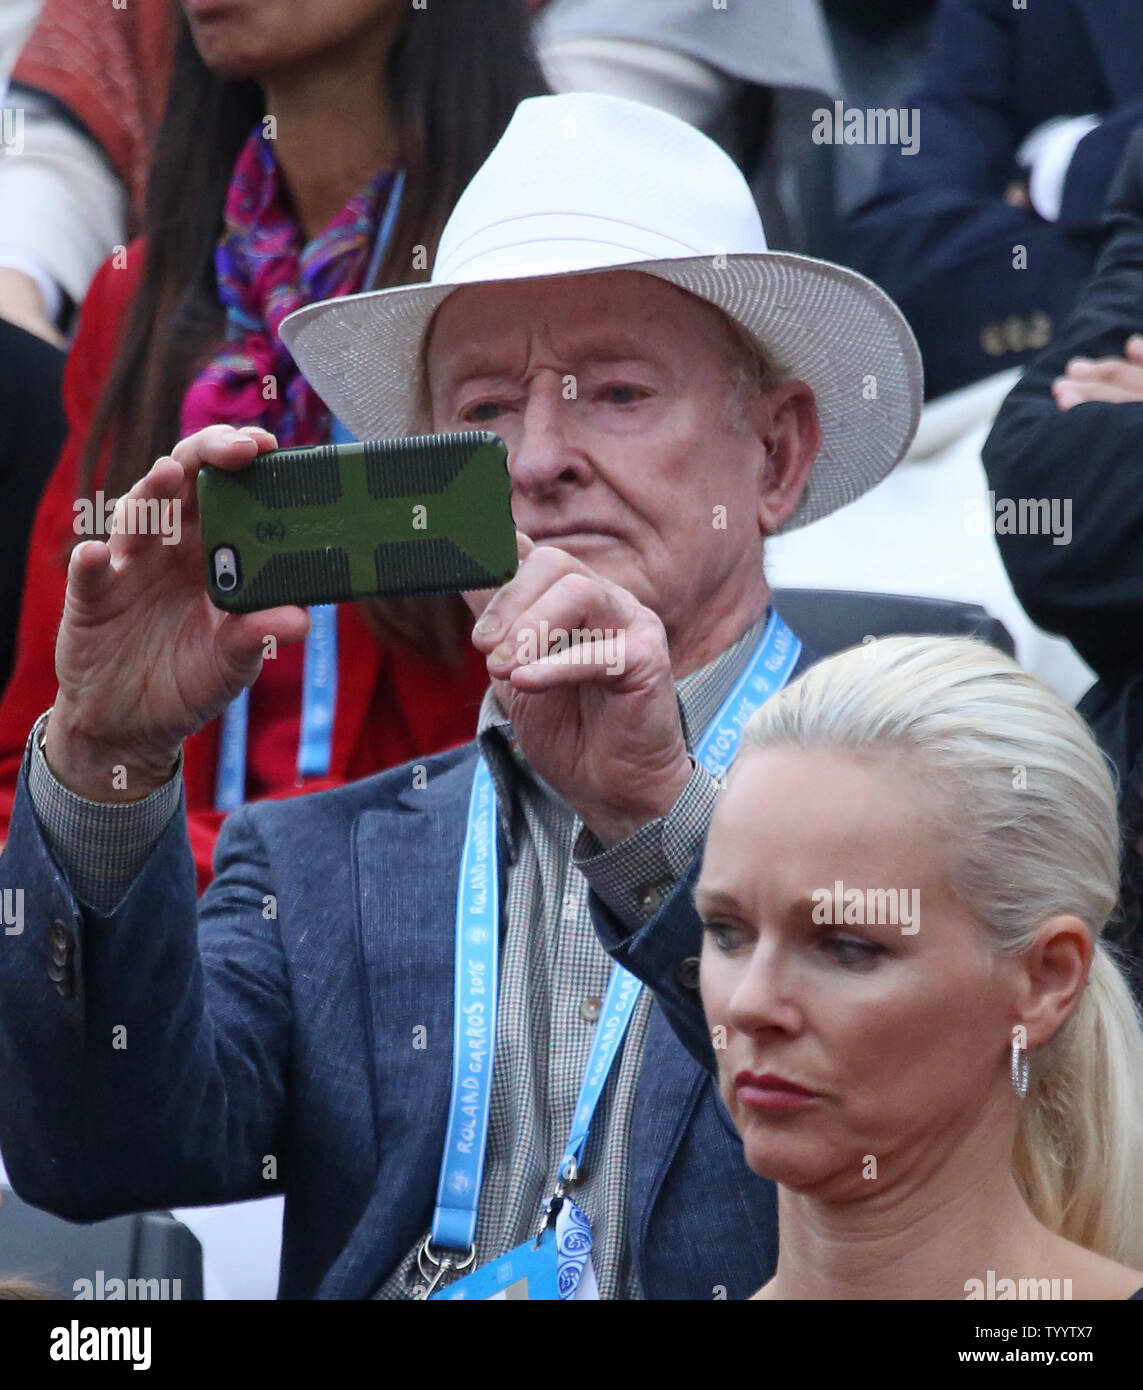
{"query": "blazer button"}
{"type": "Point", "coordinates": [60, 952]}
{"type": "Point", "coordinates": [62, 978]}
{"type": "Point", "coordinates": [58, 933]}
{"type": "Point", "coordinates": [687, 974]}
{"type": "Point", "coordinates": [651, 898]}
{"type": "Point", "coordinates": [589, 1009]}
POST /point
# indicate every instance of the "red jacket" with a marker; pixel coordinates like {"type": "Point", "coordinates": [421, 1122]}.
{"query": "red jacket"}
{"type": "Point", "coordinates": [392, 706]}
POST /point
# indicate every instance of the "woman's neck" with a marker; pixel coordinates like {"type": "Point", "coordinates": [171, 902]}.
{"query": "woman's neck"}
{"type": "Point", "coordinates": [921, 1232]}
{"type": "Point", "coordinates": [332, 128]}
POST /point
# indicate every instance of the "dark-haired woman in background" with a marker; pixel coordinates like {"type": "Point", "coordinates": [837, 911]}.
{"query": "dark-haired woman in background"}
{"type": "Point", "coordinates": [309, 149]}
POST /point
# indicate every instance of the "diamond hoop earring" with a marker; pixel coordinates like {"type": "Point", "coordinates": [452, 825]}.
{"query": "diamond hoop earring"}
{"type": "Point", "coordinates": [1019, 1063]}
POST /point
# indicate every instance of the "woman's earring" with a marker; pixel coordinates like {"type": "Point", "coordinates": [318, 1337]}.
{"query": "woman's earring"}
{"type": "Point", "coordinates": [1020, 1060]}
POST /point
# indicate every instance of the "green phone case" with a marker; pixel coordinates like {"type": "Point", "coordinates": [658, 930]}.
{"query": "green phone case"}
{"type": "Point", "coordinates": [388, 518]}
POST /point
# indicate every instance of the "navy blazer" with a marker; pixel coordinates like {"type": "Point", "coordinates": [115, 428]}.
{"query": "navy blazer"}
{"type": "Point", "coordinates": [269, 1043]}
{"type": "Point", "coordinates": [938, 235]}
{"type": "Point", "coordinates": [1091, 590]}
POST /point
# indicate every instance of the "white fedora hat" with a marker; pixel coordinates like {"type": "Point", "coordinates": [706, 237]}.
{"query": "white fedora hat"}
{"type": "Point", "coordinates": [583, 183]}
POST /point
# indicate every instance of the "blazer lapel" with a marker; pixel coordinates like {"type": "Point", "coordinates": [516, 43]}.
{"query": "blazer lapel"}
{"type": "Point", "coordinates": [670, 1084]}
{"type": "Point", "coordinates": [406, 858]}
{"type": "Point", "coordinates": [702, 1224]}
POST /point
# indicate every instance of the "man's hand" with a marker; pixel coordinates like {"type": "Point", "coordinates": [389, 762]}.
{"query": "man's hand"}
{"type": "Point", "coordinates": [599, 721]}
{"type": "Point", "coordinates": [143, 658]}
{"type": "Point", "coordinates": [1113, 379]}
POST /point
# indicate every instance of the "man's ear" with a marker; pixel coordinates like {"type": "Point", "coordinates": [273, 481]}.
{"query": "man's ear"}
{"type": "Point", "coordinates": [786, 421]}
{"type": "Point", "coordinates": [1052, 975]}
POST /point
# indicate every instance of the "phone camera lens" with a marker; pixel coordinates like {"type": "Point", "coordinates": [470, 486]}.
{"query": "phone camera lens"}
{"type": "Point", "coordinates": [226, 569]}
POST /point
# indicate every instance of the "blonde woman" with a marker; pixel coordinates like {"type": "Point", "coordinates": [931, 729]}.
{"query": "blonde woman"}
{"type": "Point", "coordinates": [919, 1034]}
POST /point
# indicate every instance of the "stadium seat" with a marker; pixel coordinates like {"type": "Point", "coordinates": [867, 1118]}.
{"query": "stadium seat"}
{"type": "Point", "coordinates": [829, 620]}
{"type": "Point", "coordinates": [58, 1254]}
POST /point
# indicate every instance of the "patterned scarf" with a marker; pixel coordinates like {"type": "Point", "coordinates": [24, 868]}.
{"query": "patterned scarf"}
{"type": "Point", "coordinates": [264, 273]}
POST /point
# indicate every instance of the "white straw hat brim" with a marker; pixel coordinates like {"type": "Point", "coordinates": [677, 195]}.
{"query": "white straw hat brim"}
{"type": "Point", "coordinates": [826, 325]}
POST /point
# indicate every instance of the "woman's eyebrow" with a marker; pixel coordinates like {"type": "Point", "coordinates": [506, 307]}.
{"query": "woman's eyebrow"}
{"type": "Point", "coordinates": [712, 899]}
{"type": "Point", "coordinates": [707, 900]}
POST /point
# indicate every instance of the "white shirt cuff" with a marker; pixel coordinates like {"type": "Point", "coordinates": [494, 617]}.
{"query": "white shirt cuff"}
{"type": "Point", "coordinates": [1048, 153]}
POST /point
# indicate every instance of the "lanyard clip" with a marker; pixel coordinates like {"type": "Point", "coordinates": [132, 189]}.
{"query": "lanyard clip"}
{"type": "Point", "coordinates": [440, 1264]}
{"type": "Point", "coordinates": [568, 1175]}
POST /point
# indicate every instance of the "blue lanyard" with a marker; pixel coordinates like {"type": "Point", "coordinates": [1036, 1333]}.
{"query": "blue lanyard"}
{"type": "Point", "coordinates": [476, 979]}
{"type": "Point", "coordinates": [623, 990]}
{"type": "Point", "coordinates": [230, 787]}
{"type": "Point", "coordinates": [477, 961]}
{"type": "Point", "coordinates": [319, 678]}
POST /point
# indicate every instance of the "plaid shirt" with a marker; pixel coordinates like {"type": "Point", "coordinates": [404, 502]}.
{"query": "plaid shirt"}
{"type": "Point", "coordinates": [553, 971]}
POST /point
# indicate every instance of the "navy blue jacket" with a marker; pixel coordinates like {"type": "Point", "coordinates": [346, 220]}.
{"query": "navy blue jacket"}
{"type": "Point", "coordinates": [269, 1043]}
{"type": "Point", "coordinates": [1091, 590]}
{"type": "Point", "coordinates": [938, 236]}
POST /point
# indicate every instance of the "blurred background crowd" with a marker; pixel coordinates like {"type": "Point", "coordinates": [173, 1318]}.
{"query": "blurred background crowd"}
{"type": "Point", "coordinates": [175, 179]}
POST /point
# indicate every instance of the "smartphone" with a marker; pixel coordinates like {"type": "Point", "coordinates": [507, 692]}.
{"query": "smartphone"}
{"type": "Point", "coordinates": [386, 518]}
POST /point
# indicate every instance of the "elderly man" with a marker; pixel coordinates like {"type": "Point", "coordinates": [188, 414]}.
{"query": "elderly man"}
{"type": "Point", "coordinates": [414, 1060]}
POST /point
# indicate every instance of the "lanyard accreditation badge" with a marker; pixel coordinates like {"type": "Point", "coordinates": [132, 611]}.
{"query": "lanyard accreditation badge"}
{"type": "Point", "coordinates": [319, 671]}
{"type": "Point", "coordinates": [556, 1264]}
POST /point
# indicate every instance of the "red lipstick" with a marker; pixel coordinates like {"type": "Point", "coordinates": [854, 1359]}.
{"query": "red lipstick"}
{"type": "Point", "coordinates": [770, 1092]}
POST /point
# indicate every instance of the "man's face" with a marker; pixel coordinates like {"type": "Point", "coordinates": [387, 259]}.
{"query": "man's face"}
{"type": "Point", "coordinates": [611, 392]}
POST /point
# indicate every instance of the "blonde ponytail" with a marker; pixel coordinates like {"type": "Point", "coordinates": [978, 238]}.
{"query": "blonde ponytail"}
{"type": "Point", "coordinates": [1079, 1149]}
